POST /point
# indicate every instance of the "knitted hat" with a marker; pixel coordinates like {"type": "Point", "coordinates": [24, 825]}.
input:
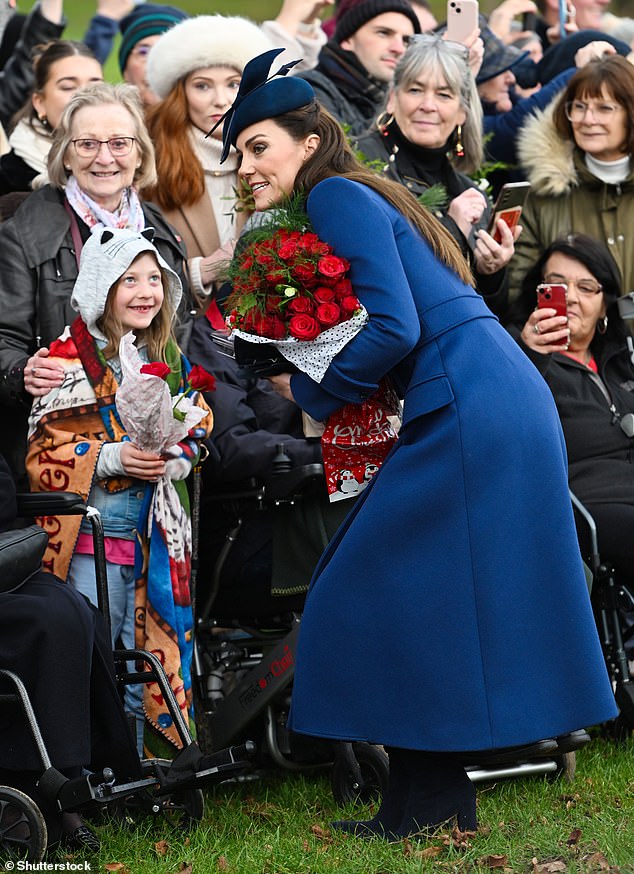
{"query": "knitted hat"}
{"type": "Point", "coordinates": [263, 96]}
{"type": "Point", "coordinates": [353, 14]}
{"type": "Point", "coordinates": [147, 19]}
{"type": "Point", "coordinates": [105, 257]}
{"type": "Point", "coordinates": [203, 41]}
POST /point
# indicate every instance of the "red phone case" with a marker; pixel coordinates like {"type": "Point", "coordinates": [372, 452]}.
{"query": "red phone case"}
{"type": "Point", "coordinates": [553, 297]}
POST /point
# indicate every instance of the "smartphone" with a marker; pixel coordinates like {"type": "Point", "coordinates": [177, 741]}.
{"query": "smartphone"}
{"type": "Point", "coordinates": [508, 206]}
{"type": "Point", "coordinates": [563, 17]}
{"type": "Point", "coordinates": [462, 19]}
{"type": "Point", "coordinates": [553, 296]}
{"type": "Point", "coordinates": [529, 21]}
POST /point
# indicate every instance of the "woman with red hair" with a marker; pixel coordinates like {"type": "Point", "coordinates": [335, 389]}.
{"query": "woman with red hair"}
{"type": "Point", "coordinates": [195, 68]}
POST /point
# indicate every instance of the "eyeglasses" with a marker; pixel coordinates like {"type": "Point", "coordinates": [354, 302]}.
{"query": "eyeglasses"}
{"type": "Point", "coordinates": [118, 147]}
{"type": "Point", "coordinates": [583, 286]}
{"type": "Point", "coordinates": [576, 110]}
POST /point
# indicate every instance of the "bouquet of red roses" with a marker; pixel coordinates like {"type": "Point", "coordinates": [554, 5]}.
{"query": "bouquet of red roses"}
{"type": "Point", "coordinates": [292, 292]}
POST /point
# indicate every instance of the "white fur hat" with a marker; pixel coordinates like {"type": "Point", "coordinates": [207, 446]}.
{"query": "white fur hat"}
{"type": "Point", "coordinates": [203, 41]}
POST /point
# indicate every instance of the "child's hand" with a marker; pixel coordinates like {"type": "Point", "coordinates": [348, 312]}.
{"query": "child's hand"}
{"type": "Point", "coordinates": [140, 464]}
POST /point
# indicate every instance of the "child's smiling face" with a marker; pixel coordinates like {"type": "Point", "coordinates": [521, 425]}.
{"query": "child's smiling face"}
{"type": "Point", "coordinates": [139, 294]}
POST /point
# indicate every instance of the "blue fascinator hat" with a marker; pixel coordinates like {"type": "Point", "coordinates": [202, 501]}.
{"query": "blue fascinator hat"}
{"type": "Point", "coordinates": [262, 96]}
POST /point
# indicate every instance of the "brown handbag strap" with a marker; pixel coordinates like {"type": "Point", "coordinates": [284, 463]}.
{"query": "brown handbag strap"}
{"type": "Point", "coordinates": [78, 243]}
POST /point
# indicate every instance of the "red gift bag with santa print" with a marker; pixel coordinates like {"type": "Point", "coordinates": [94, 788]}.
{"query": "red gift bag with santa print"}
{"type": "Point", "coordinates": [356, 441]}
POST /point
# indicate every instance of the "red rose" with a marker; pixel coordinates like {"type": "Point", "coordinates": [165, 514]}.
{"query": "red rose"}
{"type": "Point", "coordinates": [304, 273]}
{"type": "Point", "coordinates": [342, 288]}
{"type": "Point", "coordinates": [200, 380]}
{"type": "Point", "coordinates": [273, 327]}
{"type": "Point", "coordinates": [287, 250]}
{"type": "Point", "coordinates": [328, 314]}
{"type": "Point", "coordinates": [156, 368]}
{"type": "Point", "coordinates": [324, 294]}
{"type": "Point", "coordinates": [301, 305]}
{"type": "Point", "coordinates": [349, 305]}
{"type": "Point", "coordinates": [63, 349]}
{"type": "Point", "coordinates": [304, 327]}
{"type": "Point", "coordinates": [332, 267]}
{"type": "Point", "coordinates": [275, 277]}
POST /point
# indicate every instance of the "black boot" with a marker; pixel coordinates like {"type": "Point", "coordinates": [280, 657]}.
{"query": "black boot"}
{"type": "Point", "coordinates": [390, 813]}
{"type": "Point", "coordinates": [440, 791]}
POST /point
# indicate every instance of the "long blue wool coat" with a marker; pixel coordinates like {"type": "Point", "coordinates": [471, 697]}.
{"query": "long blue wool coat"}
{"type": "Point", "coordinates": [451, 610]}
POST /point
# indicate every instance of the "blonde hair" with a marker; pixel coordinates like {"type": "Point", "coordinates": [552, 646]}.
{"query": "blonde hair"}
{"type": "Point", "coordinates": [103, 94]}
{"type": "Point", "coordinates": [158, 332]}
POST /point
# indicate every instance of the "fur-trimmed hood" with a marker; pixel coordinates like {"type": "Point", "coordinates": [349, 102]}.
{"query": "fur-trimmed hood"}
{"type": "Point", "coordinates": [203, 41]}
{"type": "Point", "coordinates": [547, 159]}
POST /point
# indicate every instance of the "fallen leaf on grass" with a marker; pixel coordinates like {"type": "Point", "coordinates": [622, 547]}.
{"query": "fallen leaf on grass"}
{"type": "Point", "coordinates": [185, 868]}
{"type": "Point", "coordinates": [597, 862]}
{"type": "Point", "coordinates": [321, 833]}
{"type": "Point", "coordinates": [457, 839]}
{"type": "Point", "coordinates": [548, 867]}
{"type": "Point", "coordinates": [573, 837]}
{"type": "Point", "coordinates": [161, 847]}
{"type": "Point", "coordinates": [222, 863]}
{"type": "Point", "coordinates": [117, 866]}
{"type": "Point", "coordinates": [428, 852]}
{"type": "Point", "coordinates": [493, 861]}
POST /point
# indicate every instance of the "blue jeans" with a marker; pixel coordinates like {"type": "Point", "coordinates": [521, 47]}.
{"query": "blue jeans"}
{"type": "Point", "coordinates": [81, 576]}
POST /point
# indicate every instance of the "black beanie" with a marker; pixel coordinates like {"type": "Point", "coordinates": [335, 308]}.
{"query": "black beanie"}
{"type": "Point", "coordinates": [355, 17]}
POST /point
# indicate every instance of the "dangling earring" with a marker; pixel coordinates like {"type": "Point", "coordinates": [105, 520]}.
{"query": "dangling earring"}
{"type": "Point", "coordinates": [459, 149]}
{"type": "Point", "coordinates": [602, 325]}
{"type": "Point", "coordinates": [384, 121]}
{"type": "Point", "coordinates": [43, 120]}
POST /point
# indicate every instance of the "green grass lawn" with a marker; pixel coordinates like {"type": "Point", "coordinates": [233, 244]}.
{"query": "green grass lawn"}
{"type": "Point", "coordinates": [280, 825]}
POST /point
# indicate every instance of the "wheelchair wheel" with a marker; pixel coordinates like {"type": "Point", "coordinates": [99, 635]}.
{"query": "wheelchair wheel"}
{"type": "Point", "coordinates": [23, 834]}
{"type": "Point", "coordinates": [183, 809]}
{"type": "Point", "coordinates": [375, 769]}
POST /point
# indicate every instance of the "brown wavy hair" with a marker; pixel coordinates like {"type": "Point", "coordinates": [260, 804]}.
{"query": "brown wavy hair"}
{"type": "Point", "coordinates": [180, 173]}
{"type": "Point", "coordinates": [334, 157]}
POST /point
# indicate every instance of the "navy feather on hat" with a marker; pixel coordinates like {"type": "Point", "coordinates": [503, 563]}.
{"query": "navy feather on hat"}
{"type": "Point", "coordinates": [262, 96]}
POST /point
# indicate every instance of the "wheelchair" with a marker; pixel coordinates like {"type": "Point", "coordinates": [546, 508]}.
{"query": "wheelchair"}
{"type": "Point", "coordinates": [611, 600]}
{"type": "Point", "coordinates": [161, 788]}
{"type": "Point", "coordinates": [243, 667]}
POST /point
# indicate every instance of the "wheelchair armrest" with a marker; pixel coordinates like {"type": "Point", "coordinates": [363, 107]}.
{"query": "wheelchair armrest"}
{"type": "Point", "coordinates": [293, 483]}
{"type": "Point", "coordinates": [50, 504]}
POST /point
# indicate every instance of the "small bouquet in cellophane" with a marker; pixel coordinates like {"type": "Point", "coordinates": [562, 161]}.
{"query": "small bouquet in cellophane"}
{"type": "Point", "coordinates": [293, 307]}
{"type": "Point", "coordinates": [154, 419]}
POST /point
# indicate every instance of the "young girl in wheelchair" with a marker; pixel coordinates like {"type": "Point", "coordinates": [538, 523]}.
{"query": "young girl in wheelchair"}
{"type": "Point", "coordinates": [77, 443]}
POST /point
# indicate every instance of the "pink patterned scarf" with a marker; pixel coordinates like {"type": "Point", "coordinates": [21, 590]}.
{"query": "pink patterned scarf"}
{"type": "Point", "coordinates": [129, 214]}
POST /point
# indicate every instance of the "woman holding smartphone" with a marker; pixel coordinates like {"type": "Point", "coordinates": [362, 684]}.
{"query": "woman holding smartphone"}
{"type": "Point", "coordinates": [430, 136]}
{"type": "Point", "coordinates": [586, 359]}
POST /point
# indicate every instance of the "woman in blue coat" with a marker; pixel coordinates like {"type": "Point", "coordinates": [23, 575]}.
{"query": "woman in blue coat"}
{"type": "Point", "coordinates": [450, 612]}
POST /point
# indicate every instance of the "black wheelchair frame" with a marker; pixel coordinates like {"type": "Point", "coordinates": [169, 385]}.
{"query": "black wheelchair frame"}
{"type": "Point", "coordinates": [166, 787]}
{"type": "Point", "coordinates": [610, 596]}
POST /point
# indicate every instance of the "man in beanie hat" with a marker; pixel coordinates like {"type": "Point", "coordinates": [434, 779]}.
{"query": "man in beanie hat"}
{"type": "Point", "coordinates": [356, 66]}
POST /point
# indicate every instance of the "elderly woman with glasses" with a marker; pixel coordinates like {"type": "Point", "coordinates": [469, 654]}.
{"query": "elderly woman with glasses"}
{"type": "Point", "coordinates": [429, 136]}
{"type": "Point", "coordinates": [101, 154]}
{"type": "Point", "coordinates": [586, 359]}
{"type": "Point", "coordinates": [577, 156]}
